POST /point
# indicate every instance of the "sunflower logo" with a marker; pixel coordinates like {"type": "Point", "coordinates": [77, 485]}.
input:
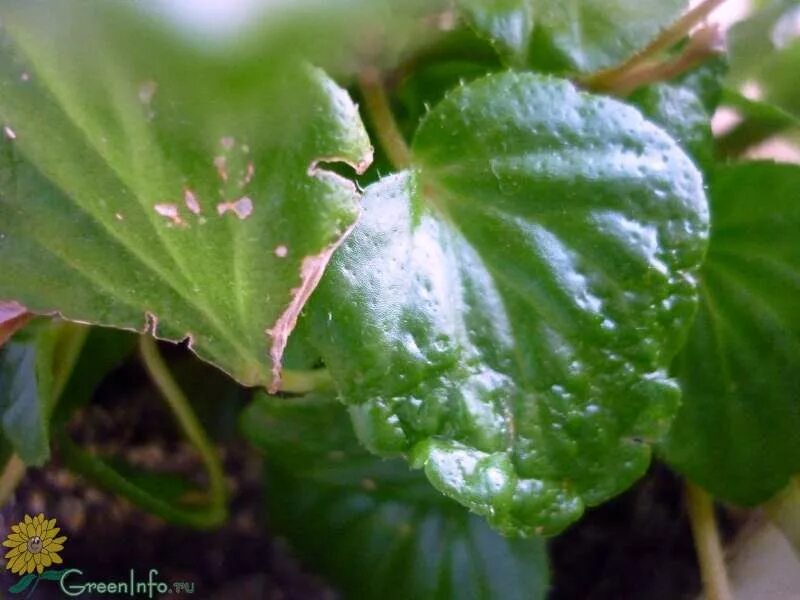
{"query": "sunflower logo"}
{"type": "Point", "coordinates": [34, 545]}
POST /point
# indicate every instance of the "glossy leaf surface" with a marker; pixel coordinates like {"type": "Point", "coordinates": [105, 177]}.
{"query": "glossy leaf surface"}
{"type": "Point", "coordinates": [681, 112]}
{"type": "Point", "coordinates": [505, 312]}
{"type": "Point", "coordinates": [146, 185]}
{"type": "Point", "coordinates": [583, 35]}
{"type": "Point", "coordinates": [736, 432]}
{"type": "Point", "coordinates": [376, 529]}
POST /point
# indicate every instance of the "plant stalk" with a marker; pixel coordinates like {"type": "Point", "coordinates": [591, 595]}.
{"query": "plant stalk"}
{"type": "Point", "coordinates": [784, 512]}
{"type": "Point", "coordinates": [609, 79]}
{"type": "Point", "coordinates": [380, 112]}
{"type": "Point", "coordinates": [191, 426]}
{"type": "Point", "coordinates": [11, 477]}
{"type": "Point", "coordinates": [305, 382]}
{"type": "Point", "coordinates": [707, 543]}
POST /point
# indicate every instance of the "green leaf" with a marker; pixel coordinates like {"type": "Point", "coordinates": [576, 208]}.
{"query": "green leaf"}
{"type": "Point", "coordinates": [148, 185]}
{"type": "Point", "coordinates": [103, 351]}
{"type": "Point", "coordinates": [765, 53]}
{"type": "Point", "coordinates": [737, 431]}
{"type": "Point", "coordinates": [374, 528]}
{"type": "Point", "coordinates": [26, 392]}
{"type": "Point", "coordinates": [53, 575]}
{"type": "Point", "coordinates": [504, 313]}
{"type": "Point", "coordinates": [507, 24]}
{"type": "Point", "coordinates": [583, 35]}
{"type": "Point", "coordinates": [22, 584]}
{"type": "Point", "coordinates": [760, 120]}
{"type": "Point", "coordinates": [682, 114]}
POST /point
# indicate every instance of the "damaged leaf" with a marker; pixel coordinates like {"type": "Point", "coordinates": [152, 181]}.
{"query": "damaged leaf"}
{"type": "Point", "coordinates": [147, 185]}
{"type": "Point", "coordinates": [13, 317]}
{"type": "Point", "coordinates": [504, 313]}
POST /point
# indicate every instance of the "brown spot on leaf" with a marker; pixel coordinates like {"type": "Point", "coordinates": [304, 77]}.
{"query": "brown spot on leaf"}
{"type": "Point", "coordinates": [242, 208]}
{"type": "Point", "coordinates": [191, 201]}
{"type": "Point", "coordinates": [221, 163]}
{"type": "Point", "coordinates": [170, 211]}
{"type": "Point", "coordinates": [248, 175]}
{"type": "Point", "coordinates": [150, 324]}
{"type": "Point", "coordinates": [311, 271]}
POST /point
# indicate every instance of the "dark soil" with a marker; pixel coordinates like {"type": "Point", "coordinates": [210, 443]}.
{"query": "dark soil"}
{"type": "Point", "coordinates": [636, 547]}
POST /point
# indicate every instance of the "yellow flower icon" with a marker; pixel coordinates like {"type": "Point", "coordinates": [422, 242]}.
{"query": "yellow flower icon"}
{"type": "Point", "coordinates": [34, 545]}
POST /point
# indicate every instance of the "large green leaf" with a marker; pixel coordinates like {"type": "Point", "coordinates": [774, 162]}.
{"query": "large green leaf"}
{"type": "Point", "coordinates": [375, 528]}
{"type": "Point", "coordinates": [737, 431]}
{"type": "Point", "coordinates": [574, 34]}
{"type": "Point", "coordinates": [147, 185]}
{"type": "Point", "coordinates": [504, 313]}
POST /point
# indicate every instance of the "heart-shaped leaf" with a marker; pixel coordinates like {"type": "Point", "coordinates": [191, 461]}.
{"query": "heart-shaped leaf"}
{"type": "Point", "coordinates": [504, 313]}
{"type": "Point", "coordinates": [737, 430]}
{"type": "Point", "coordinates": [149, 186]}
{"type": "Point", "coordinates": [372, 526]}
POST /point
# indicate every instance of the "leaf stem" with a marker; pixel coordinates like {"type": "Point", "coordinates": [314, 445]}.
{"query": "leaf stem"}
{"type": "Point", "coordinates": [188, 421]}
{"type": "Point", "coordinates": [380, 112]}
{"type": "Point", "coordinates": [609, 79]}
{"type": "Point", "coordinates": [72, 338]}
{"type": "Point", "coordinates": [304, 382]}
{"type": "Point", "coordinates": [784, 511]}
{"type": "Point", "coordinates": [707, 543]}
{"type": "Point", "coordinates": [12, 474]}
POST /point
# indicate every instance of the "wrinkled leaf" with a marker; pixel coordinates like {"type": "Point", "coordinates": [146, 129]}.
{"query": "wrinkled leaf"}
{"type": "Point", "coordinates": [504, 313]}
{"type": "Point", "coordinates": [374, 527]}
{"type": "Point", "coordinates": [737, 431]}
{"type": "Point", "coordinates": [148, 186]}
{"type": "Point", "coordinates": [682, 114]}
{"type": "Point", "coordinates": [583, 35]}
